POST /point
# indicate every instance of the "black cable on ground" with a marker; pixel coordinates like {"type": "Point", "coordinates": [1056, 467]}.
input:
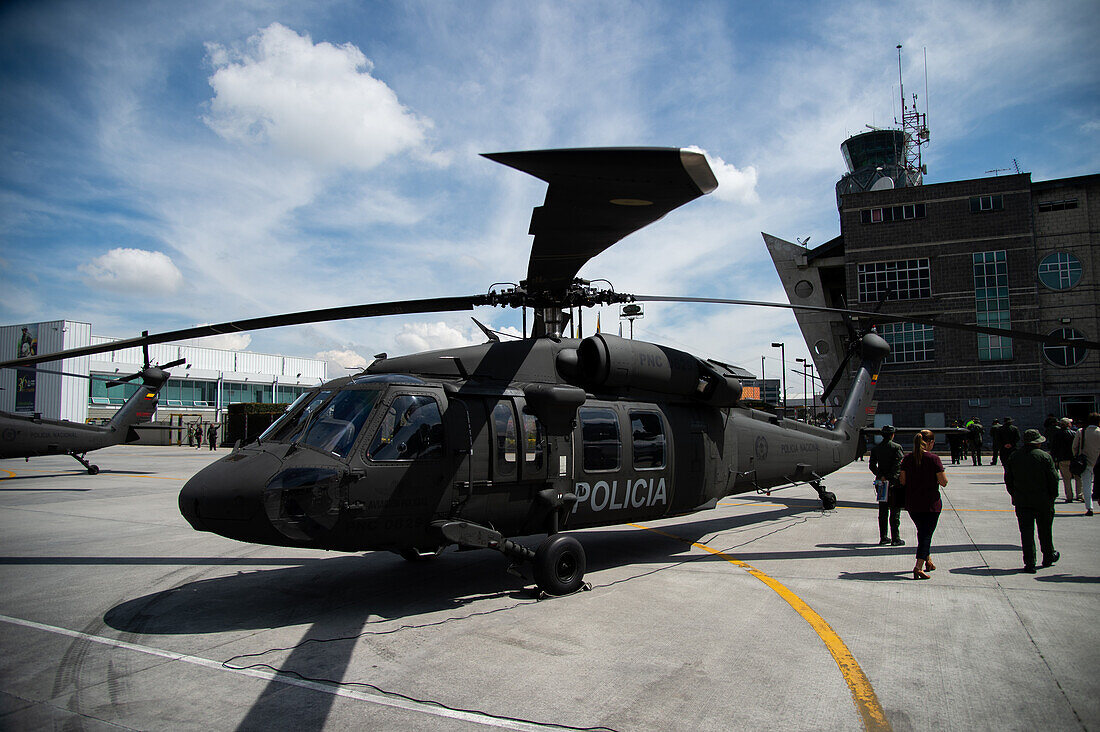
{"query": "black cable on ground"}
{"type": "Point", "coordinates": [396, 694]}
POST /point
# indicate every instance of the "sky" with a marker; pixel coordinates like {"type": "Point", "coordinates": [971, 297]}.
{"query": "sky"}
{"type": "Point", "coordinates": [170, 164]}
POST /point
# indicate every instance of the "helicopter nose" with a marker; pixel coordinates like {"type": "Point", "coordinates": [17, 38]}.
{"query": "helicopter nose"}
{"type": "Point", "coordinates": [226, 497]}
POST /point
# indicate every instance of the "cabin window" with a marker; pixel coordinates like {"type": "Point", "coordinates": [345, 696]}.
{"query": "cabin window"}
{"type": "Point", "coordinates": [534, 447]}
{"type": "Point", "coordinates": [505, 443]}
{"type": "Point", "coordinates": [600, 439]}
{"type": "Point", "coordinates": [648, 434]}
{"type": "Point", "coordinates": [339, 422]}
{"type": "Point", "coordinates": [412, 429]}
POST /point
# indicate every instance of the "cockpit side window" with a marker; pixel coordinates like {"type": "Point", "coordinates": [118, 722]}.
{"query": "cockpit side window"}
{"type": "Point", "coordinates": [412, 428]}
{"type": "Point", "coordinates": [290, 426]}
{"type": "Point", "coordinates": [338, 422]}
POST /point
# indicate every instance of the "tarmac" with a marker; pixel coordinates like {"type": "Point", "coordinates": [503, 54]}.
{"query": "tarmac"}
{"type": "Point", "coordinates": [765, 613]}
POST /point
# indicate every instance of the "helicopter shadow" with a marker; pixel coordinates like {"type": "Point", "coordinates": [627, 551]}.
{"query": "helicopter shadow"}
{"type": "Point", "coordinates": [349, 587]}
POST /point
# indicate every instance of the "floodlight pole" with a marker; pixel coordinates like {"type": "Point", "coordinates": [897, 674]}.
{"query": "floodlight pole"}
{"type": "Point", "coordinates": [805, 411]}
{"type": "Point", "coordinates": [783, 358]}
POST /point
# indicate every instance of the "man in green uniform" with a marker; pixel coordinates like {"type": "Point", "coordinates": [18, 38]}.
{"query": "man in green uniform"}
{"type": "Point", "coordinates": [1032, 481]}
{"type": "Point", "coordinates": [886, 465]}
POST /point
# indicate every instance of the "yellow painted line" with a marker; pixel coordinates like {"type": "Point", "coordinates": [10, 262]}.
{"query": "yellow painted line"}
{"type": "Point", "coordinates": [870, 711]}
{"type": "Point", "coordinates": [12, 474]}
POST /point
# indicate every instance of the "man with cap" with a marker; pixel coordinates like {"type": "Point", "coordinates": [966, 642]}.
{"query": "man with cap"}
{"type": "Point", "coordinates": [1060, 444]}
{"type": "Point", "coordinates": [1032, 481]}
{"type": "Point", "coordinates": [885, 463]}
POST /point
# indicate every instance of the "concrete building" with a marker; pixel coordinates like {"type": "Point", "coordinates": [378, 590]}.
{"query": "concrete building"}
{"type": "Point", "coordinates": [203, 388]}
{"type": "Point", "coordinates": [1002, 251]}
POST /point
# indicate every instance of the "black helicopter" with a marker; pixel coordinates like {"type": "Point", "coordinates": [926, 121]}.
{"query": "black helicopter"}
{"type": "Point", "coordinates": [27, 436]}
{"type": "Point", "coordinates": [470, 446]}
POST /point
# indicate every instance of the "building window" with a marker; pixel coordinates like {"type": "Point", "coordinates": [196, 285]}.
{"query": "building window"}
{"type": "Point", "coordinates": [991, 304]}
{"type": "Point", "coordinates": [1060, 270]}
{"type": "Point", "coordinates": [892, 213]}
{"type": "Point", "coordinates": [1065, 355]}
{"type": "Point", "coordinates": [1058, 205]}
{"type": "Point", "coordinates": [909, 342]}
{"type": "Point", "coordinates": [984, 204]}
{"type": "Point", "coordinates": [907, 279]}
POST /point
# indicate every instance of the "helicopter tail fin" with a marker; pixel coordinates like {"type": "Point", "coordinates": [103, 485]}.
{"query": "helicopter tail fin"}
{"type": "Point", "coordinates": [873, 350]}
{"type": "Point", "coordinates": [141, 406]}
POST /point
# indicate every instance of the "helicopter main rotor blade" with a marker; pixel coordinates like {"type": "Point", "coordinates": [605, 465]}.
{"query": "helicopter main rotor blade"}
{"type": "Point", "coordinates": [882, 317]}
{"type": "Point", "coordinates": [596, 196]}
{"type": "Point", "coordinates": [400, 307]}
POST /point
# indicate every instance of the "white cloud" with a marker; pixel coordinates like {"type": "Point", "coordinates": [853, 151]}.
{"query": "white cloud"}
{"type": "Point", "coordinates": [414, 337]}
{"type": "Point", "coordinates": [734, 185]}
{"type": "Point", "coordinates": [339, 361]}
{"type": "Point", "coordinates": [227, 341]}
{"type": "Point", "coordinates": [316, 102]}
{"type": "Point", "coordinates": [134, 270]}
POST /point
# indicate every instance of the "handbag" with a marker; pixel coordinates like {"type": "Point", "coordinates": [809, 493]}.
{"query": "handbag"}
{"type": "Point", "coordinates": [1077, 464]}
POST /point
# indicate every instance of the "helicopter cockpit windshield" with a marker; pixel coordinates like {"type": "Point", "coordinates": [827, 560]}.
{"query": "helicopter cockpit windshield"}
{"type": "Point", "coordinates": [289, 427]}
{"type": "Point", "coordinates": [338, 422]}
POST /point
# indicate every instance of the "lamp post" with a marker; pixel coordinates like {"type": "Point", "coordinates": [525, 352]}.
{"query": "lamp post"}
{"type": "Point", "coordinates": [783, 358]}
{"type": "Point", "coordinates": [805, 411]}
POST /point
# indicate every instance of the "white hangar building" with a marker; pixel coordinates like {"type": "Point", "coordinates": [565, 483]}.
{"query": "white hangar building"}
{"type": "Point", "coordinates": [204, 387]}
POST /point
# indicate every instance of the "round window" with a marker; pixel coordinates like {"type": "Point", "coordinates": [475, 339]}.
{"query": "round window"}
{"type": "Point", "coordinates": [1060, 270]}
{"type": "Point", "coordinates": [1065, 355]}
{"type": "Point", "coordinates": [804, 288]}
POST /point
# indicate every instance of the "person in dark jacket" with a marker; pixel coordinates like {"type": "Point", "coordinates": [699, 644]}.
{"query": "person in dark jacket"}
{"type": "Point", "coordinates": [1061, 451]}
{"type": "Point", "coordinates": [212, 436]}
{"type": "Point", "coordinates": [1032, 481]}
{"type": "Point", "coordinates": [955, 440]}
{"type": "Point", "coordinates": [1009, 439]}
{"type": "Point", "coordinates": [886, 465]}
{"type": "Point", "coordinates": [994, 436]}
{"type": "Point", "coordinates": [922, 475]}
{"type": "Point", "coordinates": [977, 436]}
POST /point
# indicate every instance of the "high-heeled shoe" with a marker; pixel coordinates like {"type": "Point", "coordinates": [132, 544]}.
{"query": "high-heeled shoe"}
{"type": "Point", "coordinates": [928, 566]}
{"type": "Point", "coordinates": [919, 575]}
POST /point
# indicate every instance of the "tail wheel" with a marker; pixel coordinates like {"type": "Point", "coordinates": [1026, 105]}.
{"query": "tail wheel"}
{"type": "Point", "coordinates": [559, 565]}
{"type": "Point", "coordinates": [93, 469]}
{"type": "Point", "coordinates": [828, 500]}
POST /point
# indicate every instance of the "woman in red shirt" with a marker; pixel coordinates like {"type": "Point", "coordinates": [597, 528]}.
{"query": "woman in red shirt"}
{"type": "Point", "coordinates": [922, 475]}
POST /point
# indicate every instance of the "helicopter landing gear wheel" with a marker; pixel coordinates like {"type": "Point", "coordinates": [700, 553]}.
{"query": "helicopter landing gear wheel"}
{"type": "Point", "coordinates": [92, 469]}
{"type": "Point", "coordinates": [559, 565]}
{"type": "Point", "coordinates": [828, 498]}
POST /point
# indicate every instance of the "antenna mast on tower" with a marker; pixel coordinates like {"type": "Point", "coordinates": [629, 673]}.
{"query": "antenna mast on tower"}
{"type": "Point", "coordinates": [915, 125]}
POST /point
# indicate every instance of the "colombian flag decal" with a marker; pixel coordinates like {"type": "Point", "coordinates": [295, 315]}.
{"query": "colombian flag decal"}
{"type": "Point", "coordinates": [874, 379]}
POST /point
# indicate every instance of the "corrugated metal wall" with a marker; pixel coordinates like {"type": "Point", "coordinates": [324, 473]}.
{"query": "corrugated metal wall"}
{"type": "Point", "coordinates": [66, 397]}
{"type": "Point", "coordinates": [56, 396]}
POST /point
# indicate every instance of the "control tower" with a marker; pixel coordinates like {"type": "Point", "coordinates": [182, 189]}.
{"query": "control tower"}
{"type": "Point", "coordinates": [886, 158]}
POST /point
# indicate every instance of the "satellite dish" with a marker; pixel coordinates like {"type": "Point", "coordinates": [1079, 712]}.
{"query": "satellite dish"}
{"type": "Point", "coordinates": [884, 183]}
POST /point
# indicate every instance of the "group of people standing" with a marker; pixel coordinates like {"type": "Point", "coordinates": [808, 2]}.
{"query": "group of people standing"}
{"type": "Point", "coordinates": [913, 481]}
{"type": "Point", "coordinates": [196, 431]}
